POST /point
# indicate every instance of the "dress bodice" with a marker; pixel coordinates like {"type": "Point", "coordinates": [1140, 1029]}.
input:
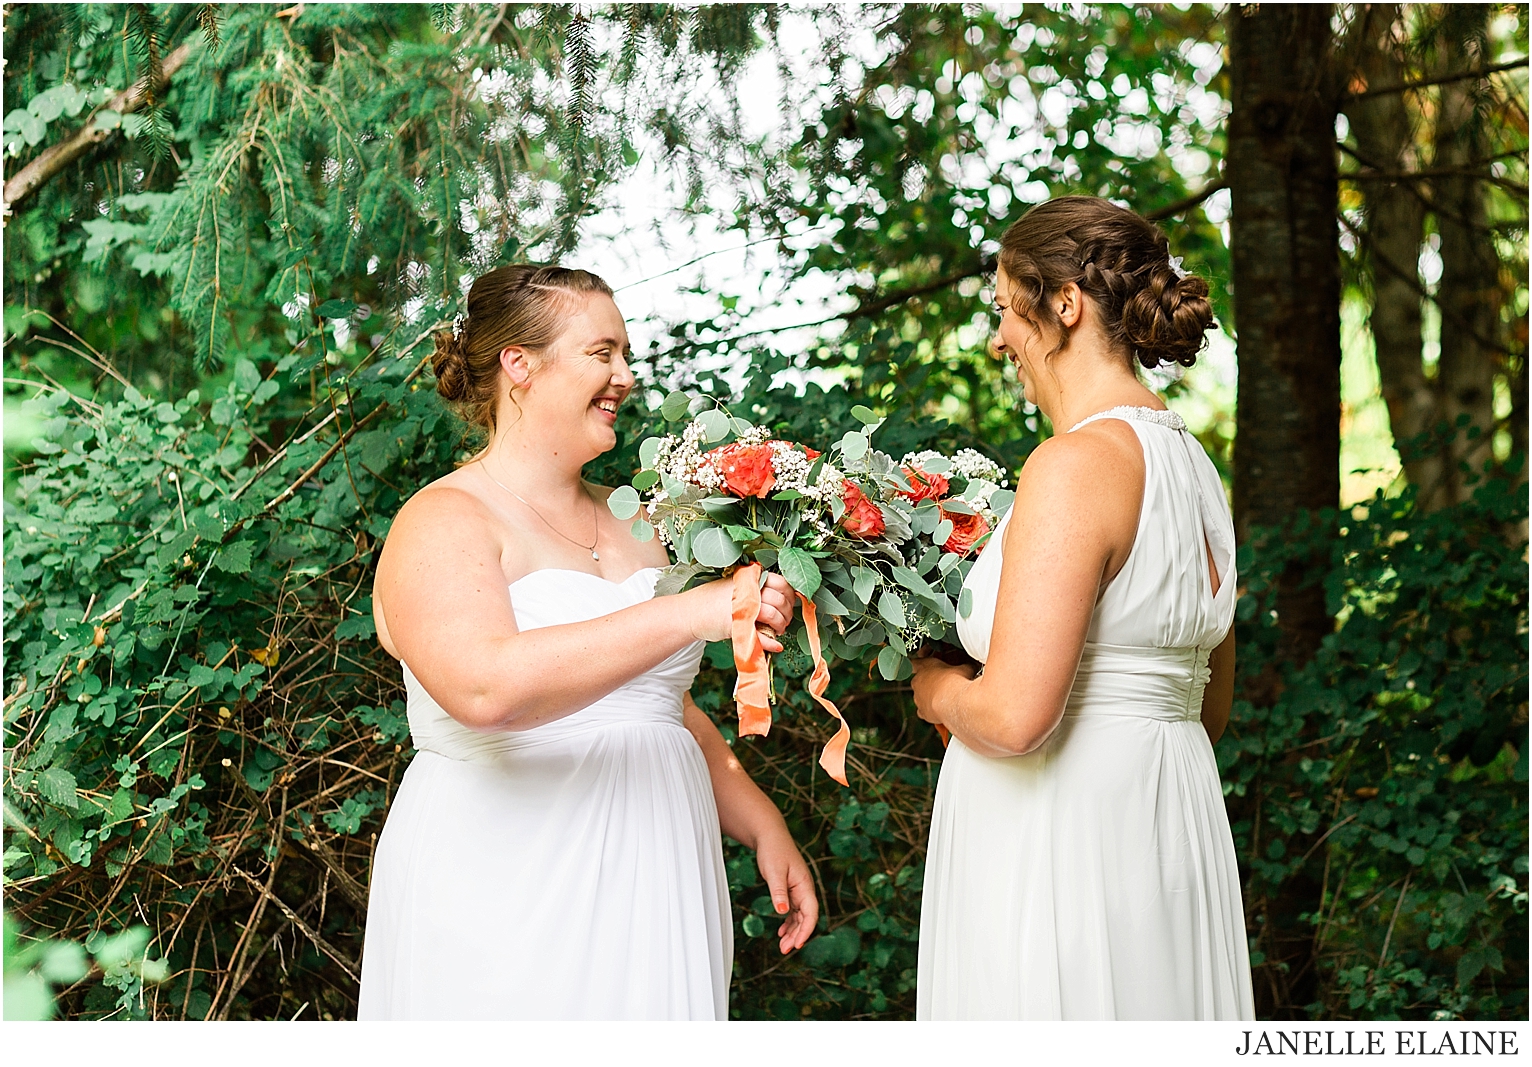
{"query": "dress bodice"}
{"type": "Point", "coordinates": [552, 597]}
{"type": "Point", "coordinates": [1157, 619]}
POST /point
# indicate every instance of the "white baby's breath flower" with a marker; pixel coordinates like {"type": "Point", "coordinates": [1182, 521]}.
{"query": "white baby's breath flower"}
{"type": "Point", "coordinates": [975, 465]}
{"type": "Point", "coordinates": [918, 460]}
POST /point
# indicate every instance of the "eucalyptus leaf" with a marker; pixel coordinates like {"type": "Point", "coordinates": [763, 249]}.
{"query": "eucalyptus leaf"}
{"type": "Point", "coordinates": [926, 518]}
{"type": "Point", "coordinates": [623, 502]}
{"type": "Point", "coordinates": [912, 581]}
{"type": "Point", "coordinates": [800, 570]}
{"type": "Point", "coordinates": [674, 407]}
{"type": "Point", "coordinates": [642, 530]}
{"type": "Point", "coordinates": [965, 602]}
{"type": "Point", "coordinates": [713, 547]}
{"type": "Point", "coordinates": [891, 608]}
{"type": "Point", "coordinates": [649, 451]}
{"type": "Point", "coordinates": [1000, 501]}
{"type": "Point", "coordinates": [828, 603]}
{"type": "Point", "coordinates": [715, 424]}
{"type": "Point", "coordinates": [674, 578]}
{"type": "Point", "coordinates": [865, 582]}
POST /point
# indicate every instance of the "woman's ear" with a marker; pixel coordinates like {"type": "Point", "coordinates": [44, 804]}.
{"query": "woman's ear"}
{"type": "Point", "coordinates": [516, 361]}
{"type": "Point", "coordinates": [1069, 303]}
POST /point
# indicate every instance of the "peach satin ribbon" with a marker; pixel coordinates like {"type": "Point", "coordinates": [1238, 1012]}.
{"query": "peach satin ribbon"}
{"type": "Point", "coordinates": [752, 689]}
{"type": "Point", "coordinates": [752, 692]}
{"type": "Point", "coordinates": [833, 758]}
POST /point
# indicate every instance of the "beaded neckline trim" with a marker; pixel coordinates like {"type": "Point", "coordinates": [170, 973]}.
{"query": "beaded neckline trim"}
{"type": "Point", "coordinates": [1169, 419]}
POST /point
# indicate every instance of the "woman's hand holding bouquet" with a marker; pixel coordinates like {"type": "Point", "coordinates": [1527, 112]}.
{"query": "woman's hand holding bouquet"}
{"type": "Point", "coordinates": [879, 547]}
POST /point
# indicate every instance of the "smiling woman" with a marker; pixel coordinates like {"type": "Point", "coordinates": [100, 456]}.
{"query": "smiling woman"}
{"type": "Point", "coordinates": [554, 849]}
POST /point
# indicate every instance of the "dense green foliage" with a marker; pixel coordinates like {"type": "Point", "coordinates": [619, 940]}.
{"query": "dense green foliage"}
{"type": "Point", "coordinates": [201, 735]}
{"type": "Point", "coordinates": [1382, 786]}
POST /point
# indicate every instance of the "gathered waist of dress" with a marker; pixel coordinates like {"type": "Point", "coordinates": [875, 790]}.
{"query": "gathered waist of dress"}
{"type": "Point", "coordinates": [1135, 682]}
{"type": "Point", "coordinates": [633, 705]}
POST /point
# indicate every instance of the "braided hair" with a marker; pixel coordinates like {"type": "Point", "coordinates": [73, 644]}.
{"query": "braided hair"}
{"type": "Point", "coordinates": [1150, 309]}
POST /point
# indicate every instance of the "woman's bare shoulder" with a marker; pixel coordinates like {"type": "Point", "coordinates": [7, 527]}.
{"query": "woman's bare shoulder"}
{"type": "Point", "coordinates": [1105, 452]}
{"type": "Point", "coordinates": [446, 508]}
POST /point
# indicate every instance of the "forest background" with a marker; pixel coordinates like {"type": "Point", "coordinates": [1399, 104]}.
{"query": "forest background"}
{"type": "Point", "coordinates": [231, 229]}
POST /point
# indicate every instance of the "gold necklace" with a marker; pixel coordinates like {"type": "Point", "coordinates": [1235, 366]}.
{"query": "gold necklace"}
{"type": "Point", "coordinates": [594, 515]}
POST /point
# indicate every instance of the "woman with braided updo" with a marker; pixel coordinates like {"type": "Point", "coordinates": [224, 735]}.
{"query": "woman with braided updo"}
{"type": "Point", "coordinates": [554, 848]}
{"type": "Point", "coordinates": [1081, 864]}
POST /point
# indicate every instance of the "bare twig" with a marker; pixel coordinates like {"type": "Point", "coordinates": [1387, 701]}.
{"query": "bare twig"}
{"type": "Point", "coordinates": [56, 157]}
{"type": "Point", "coordinates": [1397, 905]}
{"type": "Point", "coordinates": [344, 962]}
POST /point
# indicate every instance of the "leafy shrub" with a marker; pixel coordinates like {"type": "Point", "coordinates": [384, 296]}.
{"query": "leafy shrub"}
{"type": "Point", "coordinates": [193, 695]}
{"type": "Point", "coordinates": [1379, 791]}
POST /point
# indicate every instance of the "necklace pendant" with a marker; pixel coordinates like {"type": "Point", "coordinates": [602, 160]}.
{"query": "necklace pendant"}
{"type": "Point", "coordinates": [595, 555]}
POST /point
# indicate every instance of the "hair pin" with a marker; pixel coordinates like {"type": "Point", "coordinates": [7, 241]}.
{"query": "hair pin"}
{"type": "Point", "coordinates": [457, 326]}
{"type": "Point", "coordinates": [1175, 265]}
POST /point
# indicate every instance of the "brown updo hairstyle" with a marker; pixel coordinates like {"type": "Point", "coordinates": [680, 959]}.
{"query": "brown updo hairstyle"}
{"type": "Point", "coordinates": [523, 305]}
{"type": "Point", "coordinates": [1122, 261]}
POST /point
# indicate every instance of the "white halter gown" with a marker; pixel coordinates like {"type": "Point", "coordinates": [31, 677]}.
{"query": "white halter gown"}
{"type": "Point", "coordinates": [571, 871]}
{"type": "Point", "coordinates": [1095, 877]}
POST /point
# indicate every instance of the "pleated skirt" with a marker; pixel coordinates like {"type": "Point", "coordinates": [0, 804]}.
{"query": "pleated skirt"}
{"type": "Point", "coordinates": [1094, 878]}
{"type": "Point", "coordinates": [578, 877]}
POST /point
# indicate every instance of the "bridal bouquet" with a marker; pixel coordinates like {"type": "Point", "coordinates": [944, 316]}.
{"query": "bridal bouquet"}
{"type": "Point", "coordinates": [878, 547]}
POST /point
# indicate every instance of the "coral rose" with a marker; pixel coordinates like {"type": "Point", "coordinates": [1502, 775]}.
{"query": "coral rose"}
{"type": "Point", "coordinates": [862, 518]}
{"type": "Point", "coordinates": [966, 530]}
{"type": "Point", "coordinates": [745, 469]}
{"type": "Point", "coordinates": [925, 486]}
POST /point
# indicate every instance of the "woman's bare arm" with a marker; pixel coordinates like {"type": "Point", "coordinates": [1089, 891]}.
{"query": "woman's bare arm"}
{"type": "Point", "coordinates": [1074, 521]}
{"type": "Point", "coordinates": [1218, 696]}
{"type": "Point", "coordinates": [747, 814]}
{"type": "Point", "coordinates": [448, 614]}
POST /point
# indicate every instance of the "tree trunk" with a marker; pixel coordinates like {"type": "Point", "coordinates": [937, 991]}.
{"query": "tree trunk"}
{"type": "Point", "coordinates": [1395, 221]}
{"type": "Point", "coordinates": [1287, 287]}
{"type": "Point", "coordinates": [1469, 293]}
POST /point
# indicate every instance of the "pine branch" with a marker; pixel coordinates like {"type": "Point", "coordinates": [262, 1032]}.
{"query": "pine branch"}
{"type": "Point", "coordinates": [1442, 79]}
{"type": "Point", "coordinates": [208, 18]}
{"type": "Point", "coordinates": [581, 62]}
{"type": "Point", "coordinates": [1181, 206]}
{"type": "Point", "coordinates": [146, 31]}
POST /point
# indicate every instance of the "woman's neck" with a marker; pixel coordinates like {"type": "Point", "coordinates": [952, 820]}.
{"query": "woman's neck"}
{"type": "Point", "coordinates": [1086, 382]}
{"type": "Point", "coordinates": [534, 468]}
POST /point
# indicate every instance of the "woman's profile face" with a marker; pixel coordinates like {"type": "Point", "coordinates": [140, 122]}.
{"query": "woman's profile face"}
{"type": "Point", "coordinates": [574, 395]}
{"type": "Point", "coordinates": [1016, 339]}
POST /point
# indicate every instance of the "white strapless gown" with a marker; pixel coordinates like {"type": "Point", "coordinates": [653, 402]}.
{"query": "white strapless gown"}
{"type": "Point", "coordinates": [571, 871]}
{"type": "Point", "coordinates": [1095, 878]}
